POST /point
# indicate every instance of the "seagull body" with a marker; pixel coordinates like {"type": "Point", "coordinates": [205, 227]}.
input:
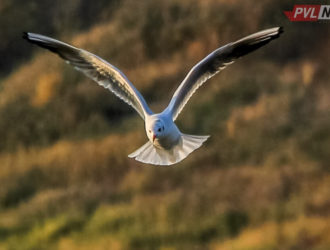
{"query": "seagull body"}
{"type": "Point", "coordinates": [166, 144]}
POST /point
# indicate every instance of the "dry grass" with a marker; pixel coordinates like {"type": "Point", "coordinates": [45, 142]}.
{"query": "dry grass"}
{"type": "Point", "coordinates": [24, 81]}
{"type": "Point", "coordinates": [303, 232]}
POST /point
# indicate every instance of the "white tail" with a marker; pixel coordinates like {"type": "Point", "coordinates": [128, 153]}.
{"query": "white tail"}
{"type": "Point", "coordinates": [148, 153]}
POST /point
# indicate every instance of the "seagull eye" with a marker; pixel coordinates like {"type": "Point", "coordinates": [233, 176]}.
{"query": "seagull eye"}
{"type": "Point", "coordinates": [149, 131]}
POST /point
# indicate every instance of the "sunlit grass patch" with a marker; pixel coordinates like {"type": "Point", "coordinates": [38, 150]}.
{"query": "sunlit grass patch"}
{"type": "Point", "coordinates": [300, 233]}
{"type": "Point", "coordinates": [43, 234]}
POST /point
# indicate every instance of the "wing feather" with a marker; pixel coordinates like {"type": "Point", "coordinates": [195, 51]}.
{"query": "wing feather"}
{"type": "Point", "coordinates": [215, 62]}
{"type": "Point", "coordinates": [95, 68]}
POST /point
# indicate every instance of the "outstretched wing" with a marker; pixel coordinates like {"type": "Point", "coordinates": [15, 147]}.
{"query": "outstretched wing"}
{"type": "Point", "coordinates": [216, 61]}
{"type": "Point", "coordinates": [96, 68]}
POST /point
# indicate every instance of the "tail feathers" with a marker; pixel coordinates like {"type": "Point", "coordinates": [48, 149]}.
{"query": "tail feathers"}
{"type": "Point", "coordinates": [150, 154]}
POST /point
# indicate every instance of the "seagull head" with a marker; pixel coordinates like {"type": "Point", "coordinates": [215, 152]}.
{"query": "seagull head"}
{"type": "Point", "coordinates": [155, 129]}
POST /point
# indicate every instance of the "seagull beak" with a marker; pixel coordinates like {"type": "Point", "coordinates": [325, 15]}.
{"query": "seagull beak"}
{"type": "Point", "coordinates": [153, 137]}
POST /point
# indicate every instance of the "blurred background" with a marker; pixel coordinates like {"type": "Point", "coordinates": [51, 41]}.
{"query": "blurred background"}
{"type": "Point", "coordinates": [262, 181]}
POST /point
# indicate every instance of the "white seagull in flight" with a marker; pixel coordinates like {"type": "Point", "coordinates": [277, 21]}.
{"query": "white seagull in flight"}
{"type": "Point", "coordinates": [166, 144]}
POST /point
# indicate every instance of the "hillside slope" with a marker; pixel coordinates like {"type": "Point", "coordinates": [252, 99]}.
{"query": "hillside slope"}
{"type": "Point", "coordinates": [260, 182]}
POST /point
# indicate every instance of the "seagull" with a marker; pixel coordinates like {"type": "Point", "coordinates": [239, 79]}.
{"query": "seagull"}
{"type": "Point", "coordinates": [167, 145]}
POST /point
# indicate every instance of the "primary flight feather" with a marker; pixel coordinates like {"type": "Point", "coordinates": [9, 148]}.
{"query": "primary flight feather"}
{"type": "Point", "coordinates": [166, 145]}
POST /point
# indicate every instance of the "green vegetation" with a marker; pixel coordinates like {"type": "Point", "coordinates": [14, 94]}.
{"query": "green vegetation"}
{"type": "Point", "coordinates": [261, 181]}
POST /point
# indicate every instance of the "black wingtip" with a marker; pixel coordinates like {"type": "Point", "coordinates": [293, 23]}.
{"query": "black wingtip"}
{"type": "Point", "coordinates": [25, 35]}
{"type": "Point", "coordinates": [280, 30]}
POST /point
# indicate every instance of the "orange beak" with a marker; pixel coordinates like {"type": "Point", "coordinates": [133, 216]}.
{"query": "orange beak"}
{"type": "Point", "coordinates": [153, 137]}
